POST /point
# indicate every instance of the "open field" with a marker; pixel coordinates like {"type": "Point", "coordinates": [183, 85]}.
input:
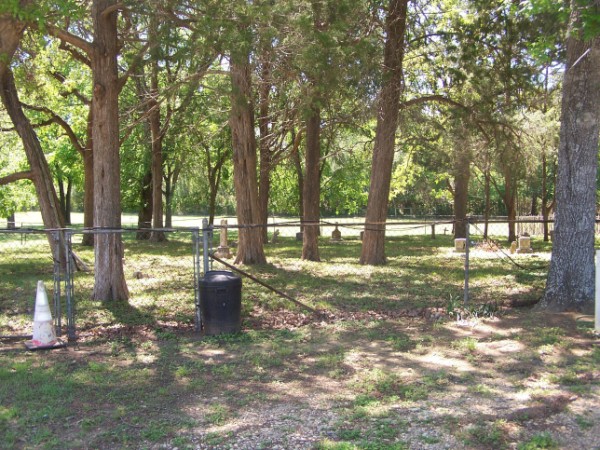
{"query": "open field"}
{"type": "Point", "coordinates": [393, 362]}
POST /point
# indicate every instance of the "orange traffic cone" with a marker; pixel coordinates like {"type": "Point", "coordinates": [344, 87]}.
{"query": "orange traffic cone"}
{"type": "Point", "coordinates": [44, 336]}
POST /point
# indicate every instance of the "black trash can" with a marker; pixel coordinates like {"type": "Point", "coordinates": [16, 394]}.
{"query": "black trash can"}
{"type": "Point", "coordinates": [221, 302]}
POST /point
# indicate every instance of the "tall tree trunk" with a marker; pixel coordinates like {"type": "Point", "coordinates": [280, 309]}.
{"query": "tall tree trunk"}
{"type": "Point", "coordinates": [61, 196]}
{"type": "Point", "coordinates": [533, 211]}
{"type": "Point", "coordinates": [462, 174]}
{"type": "Point", "coordinates": [510, 202]}
{"type": "Point", "coordinates": [68, 201]}
{"type": "Point", "coordinates": [64, 196]}
{"type": "Point", "coordinates": [373, 245]}
{"type": "Point", "coordinates": [10, 35]}
{"type": "Point", "coordinates": [300, 175]}
{"type": "Point", "coordinates": [168, 204]}
{"type": "Point", "coordinates": [241, 120]}
{"type": "Point", "coordinates": [109, 279]}
{"type": "Point", "coordinates": [486, 213]}
{"type": "Point", "coordinates": [547, 205]}
{"type": "Point", "coordinates": [264, 186]}
{"type": "Point", "coordinates": [170, 184]}
{"type": "Point", "coordinates": [10, 221]}
{"type": "Point", "coordinates": [157, 141]}
{"type": "Point", "coordinates": [312, 187]}
{"type": "Point", "coordinates": [145, 211]}
{"type": "Point", "coordinates": [570, 283]}
{"type": "Point", "coordinates": [88, 183]}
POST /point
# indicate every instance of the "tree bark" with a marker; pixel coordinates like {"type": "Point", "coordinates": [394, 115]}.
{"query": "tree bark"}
{"type": "Point", "coordinates": [510, 202]}
{"type": "Point", "coordinates": [172, 175]}
{"type": "Point", "coordinates": [145, 212]}
{"type": "Point", "coordinates": [486, 213]}
{"type": "Point", "coordinates": [570, 282]}
{"type": "Point", "coordinates": [300, 175]}
{"type": "Point", "coordinates": [241, 120]}
{"type": "Point", "coordinates": [373, 245]}
{"type": "Point", "coordinates": [10, 221]}
{"type": "Point", "coordinates": [462, 174]}
{"type": "Point", "coordinates": [109, 280]}
{"type": "Point", "coordinates": [264, 146]}
{"type": "Point", "coordinates": [312, 187]}
{"type": "Point", "coordinates": [88, 182]}
{"type": "Point", "coordinates": [157, 142]}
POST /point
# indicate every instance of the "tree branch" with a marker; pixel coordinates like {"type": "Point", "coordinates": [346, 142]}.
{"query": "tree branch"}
{"type": "Point", "coordinates": [27, 175]}
{"type": "Point", "coordinates": [135, 64]}
{"type": "Point", "coordinates": [76, 54]}
{"type": "Point", "coordinates": [82, 98]}
{"type": "Point", "coordinates": [69, 38]}
{"type": "Point", "coordinates": [55, 118]}
{"type": "Point", "coordinates": [111, 9]}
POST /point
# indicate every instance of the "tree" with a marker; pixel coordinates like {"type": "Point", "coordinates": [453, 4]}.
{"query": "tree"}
{"type": "Point", "coordinates": [570, 282]}
{"type": "Point", "coordinates": [241, 121]}
{"type": "Point", "coordinates": [11, 31]}
{"type": "Point", "coordinates": [109, 282]}
{"type": "Point", "coordinates": [373, 246]}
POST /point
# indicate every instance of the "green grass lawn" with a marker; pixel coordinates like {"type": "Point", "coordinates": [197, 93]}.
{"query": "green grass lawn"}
{"type": "Point", "coordinates": [387, 366]}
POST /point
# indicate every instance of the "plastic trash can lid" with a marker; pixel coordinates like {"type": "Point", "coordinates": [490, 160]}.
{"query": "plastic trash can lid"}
{"type": "Point", "coordinates": [221, 276]}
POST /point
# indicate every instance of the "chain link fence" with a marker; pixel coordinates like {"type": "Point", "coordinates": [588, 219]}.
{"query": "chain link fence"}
{"type": "Point", "coordinates": [25, 257]}
{"type": "Point", "coordinates": [425, 263]}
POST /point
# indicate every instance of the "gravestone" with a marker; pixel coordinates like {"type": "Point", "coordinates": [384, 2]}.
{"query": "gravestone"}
{"type": "Point", "coordinates": [460, 245]}
{"type": "Point", "coordinates": [524, 244]}
{"type": "Point", "coordinates": [275, 237]}
{"type": "Point", "coordinates": [336, 235]}
{"type": "Point", "coordinates": [223, 249]}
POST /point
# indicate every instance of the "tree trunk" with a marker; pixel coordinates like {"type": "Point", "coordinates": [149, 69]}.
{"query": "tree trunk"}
{"type": "Point", "coordinates": [533, 211]}
{"type": "Point", "coordinates": [88, 183]}
{"type": "Point", "coordinates": [312, 187]}
{"type": "Point", "coordinates": [373, 245]}
{"type": "Point", "coordinates": [300, 175]}
{"type": "Point", "coordinates": [570, 283]}
{"type": "Point", "coordinates": [170, 184]}
{"type": "Point", "coordinates": [547, 205]}
{"type": "Point", "coordinates": [10, 221]}
{"type": "Point", "coordinates": [145, 212]}
{"type": "Point", "coordinates": [241, 120]}
{"type": "Point", "coordinates": [462, 173]}
{"type": "Point", "coordinates": [168, 203]}
{"type": "Point", "coordinates": [486, 213]}
{"type": "Point", "coordinates": [264, 147]}
{"type": "Point", "coordinates": [109, 280]}
{"type": "Point", "coordinates": [10, 35]}
{"type": "Point", "coordinates": [157, 140]}
{"type": "Point", "coordinates": [68, 201]}
{"type": "Point", "coordinates": [509, 198]}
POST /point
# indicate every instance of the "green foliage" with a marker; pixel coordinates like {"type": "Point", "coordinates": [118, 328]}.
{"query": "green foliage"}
{"type": "Point", "coordinates": [538, 441]}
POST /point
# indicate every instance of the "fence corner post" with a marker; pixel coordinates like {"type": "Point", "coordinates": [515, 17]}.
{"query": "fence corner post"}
{"type": "Point", "coordinates": [205, 238]}
{"type": "Point", "coordinates": [597, 299]}
{"type": "Point", "coordinates": [467, 245]}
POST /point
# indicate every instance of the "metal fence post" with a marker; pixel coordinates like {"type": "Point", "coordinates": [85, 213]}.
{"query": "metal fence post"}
{"type": "Point", "coordinates": [467, 245]}
{"type": "Point", "coordinates": [205, 237]}
{"type": "Point", "coordinates": [56, 279]}
{"type": "Point", "coordinates": [197, 315]}
{"type": "Point", "coordinates": [69, 294]}
{"type": "Point", "coordinates": [597, 299]}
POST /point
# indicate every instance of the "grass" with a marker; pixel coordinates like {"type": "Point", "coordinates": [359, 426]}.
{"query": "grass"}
{"type": "Point", "coordinates": [379, 366]}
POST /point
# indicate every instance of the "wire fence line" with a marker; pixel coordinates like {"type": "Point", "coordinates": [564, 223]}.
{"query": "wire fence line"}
{"type": "Point", "coordinates": [25, 257]}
